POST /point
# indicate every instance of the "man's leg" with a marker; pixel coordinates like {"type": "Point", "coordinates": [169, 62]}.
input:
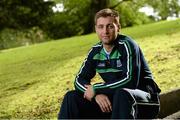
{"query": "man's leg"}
{"type": "Point", "coordinates": [128, 103]}
{"type": "Point", "coordinates": [69, 107]}
{"type": "Point", "coordinates": [75, 106]}
{"type": "Point", "coordinates": [148, 109]}
{"type": "Point", "coordinates": [147, 105]}
{"type": "Point", "coordinates": [123, 105]}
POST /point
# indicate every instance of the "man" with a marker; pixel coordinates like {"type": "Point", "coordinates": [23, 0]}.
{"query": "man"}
{"type": "Point", "coordinates": [128, 91]}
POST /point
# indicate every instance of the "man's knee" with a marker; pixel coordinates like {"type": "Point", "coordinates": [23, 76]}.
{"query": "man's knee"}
{"type": "Point", "coordinates": [69, 103]}
{"type": "Point", "coordinates": [122, 93]}
{"type": "Point", "coordinates": [70, 95]}
{"type": "Point", "coordinates": [123, 96]}
{"type": "Point", "coordinates": [122, 105]}
{"type": "Point", "coordinates": [70, 99]}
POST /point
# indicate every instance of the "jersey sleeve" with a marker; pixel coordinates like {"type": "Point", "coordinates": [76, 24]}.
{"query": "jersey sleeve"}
{"type": "Point", "coordinates": [85, 74]}
{"type": "Point", "coordinates": [147, 82]}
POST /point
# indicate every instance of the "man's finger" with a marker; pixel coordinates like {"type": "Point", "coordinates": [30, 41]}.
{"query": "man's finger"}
{"type": "Point", "coordinates": [104, 106]}
{"type": "Point", "coordinates": [103, 102]}
{"type": "Point", "coordinates": [101, 106]}
{"type": "Point", "coordinates": [108, 104]}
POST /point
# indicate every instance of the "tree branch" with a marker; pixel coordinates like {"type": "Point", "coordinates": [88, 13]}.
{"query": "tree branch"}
{"type": "Point", "coordinates": [121, 1]}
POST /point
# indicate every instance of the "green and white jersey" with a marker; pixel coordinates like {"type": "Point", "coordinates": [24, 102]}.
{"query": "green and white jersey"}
{"type": "Point", "coordinates": [124, 67]}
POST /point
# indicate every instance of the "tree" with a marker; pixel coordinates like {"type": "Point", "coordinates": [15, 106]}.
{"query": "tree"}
{"type": "Point", "coordinates": [79, 15]}
{"type": "Point", "coordinates": [175, 8]}
{"type": "Point", "coordinates": [71, 21]}
{"type": "Point", "coordinates": [165, 8]}
{"type": "Point", "coordinates": [130, 15]}
{"type": "Point", "coordinates": [21, 22]}
{"type": "Point", "coordinates": [24, 13]}
{"type": "Point", "coordinates": [97, 5]}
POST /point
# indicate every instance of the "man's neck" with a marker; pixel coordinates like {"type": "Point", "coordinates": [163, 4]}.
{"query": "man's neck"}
{"type": "Point", "coordinates": [108, 47]}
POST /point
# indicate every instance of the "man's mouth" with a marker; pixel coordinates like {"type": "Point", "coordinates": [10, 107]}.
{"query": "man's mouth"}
{"type": "Point", "coordinates": [105, 37]}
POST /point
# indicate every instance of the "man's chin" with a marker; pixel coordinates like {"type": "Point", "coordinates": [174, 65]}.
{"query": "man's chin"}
{"type": "Point", "coordinates": [107, 43]}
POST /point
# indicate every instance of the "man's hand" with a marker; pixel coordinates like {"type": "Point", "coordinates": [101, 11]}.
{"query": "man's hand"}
{"type": "Point", "coordinates": [103, 102]}
{"type": "Point", "coordinates": [89, 93]}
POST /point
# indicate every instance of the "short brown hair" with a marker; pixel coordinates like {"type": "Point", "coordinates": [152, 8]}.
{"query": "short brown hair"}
{"type": "Point", "coordinates": [107, 12]}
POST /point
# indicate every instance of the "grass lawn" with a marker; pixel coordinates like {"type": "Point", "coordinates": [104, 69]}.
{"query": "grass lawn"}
{"type": "Point", "coordinates": [33, 79]}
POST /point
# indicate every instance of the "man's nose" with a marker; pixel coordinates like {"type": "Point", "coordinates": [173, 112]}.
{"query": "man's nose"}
{"type": "Point", "coordinates": [105, 30]}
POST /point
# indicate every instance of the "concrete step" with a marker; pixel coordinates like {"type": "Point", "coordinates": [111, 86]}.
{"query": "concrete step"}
{"type": "Point", "coordinates": [173, 116]}
{"type": "Point", "coordinates": [169, 103]}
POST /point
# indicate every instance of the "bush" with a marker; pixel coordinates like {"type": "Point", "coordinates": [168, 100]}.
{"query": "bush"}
{"type": "Point", "coordinates": [10, 38]}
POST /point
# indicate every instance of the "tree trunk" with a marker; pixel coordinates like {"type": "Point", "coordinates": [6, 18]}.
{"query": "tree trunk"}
{"type": "Point", "coordinates": [95, 6]}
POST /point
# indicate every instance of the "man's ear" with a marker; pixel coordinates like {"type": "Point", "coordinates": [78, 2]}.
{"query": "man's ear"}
{"type": "Point", "coordinates": [118, 28]}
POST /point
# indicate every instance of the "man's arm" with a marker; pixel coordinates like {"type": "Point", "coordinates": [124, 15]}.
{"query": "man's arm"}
{"type": "Point", "coordinates": [101, 99]}
{"type": "Point", "coordinates": [147, 82]}
{"type": "Point", "coordinates": [85, 74]}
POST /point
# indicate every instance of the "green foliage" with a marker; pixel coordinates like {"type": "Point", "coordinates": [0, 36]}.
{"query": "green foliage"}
{"type": "Point", "coordinates": [77, 17]}
{"type": "Point", "coordinates": [24, 13]}
{"type": "Point", "coordinates": [22, 21]}
{"type": "Point", "coordinates": [175, 8]}
{"type": "Point", "coordinates": [165, 8]}
{"type": "Point", "coordinates": [130, 16]}
{"type": "Point", "coordinates": [35, 78]}
{"type": "Point", "coordinates": [72, 21]}
{"type": "Point", "coordinates": [10, 38]}
{"type": "Point", "coordinates": [62, 25]}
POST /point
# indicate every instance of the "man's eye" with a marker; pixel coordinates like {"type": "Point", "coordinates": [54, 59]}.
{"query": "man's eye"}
{"type": "Point", "coordinates": [100, 27]}
{"type": "Point", "coordinates": [110, 26]}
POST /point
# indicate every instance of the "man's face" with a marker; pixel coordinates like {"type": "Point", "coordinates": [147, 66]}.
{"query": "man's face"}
{"type": "Point", "coordinates": [106, 29]}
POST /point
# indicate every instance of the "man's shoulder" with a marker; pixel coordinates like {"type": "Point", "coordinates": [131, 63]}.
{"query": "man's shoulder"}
{"type": "Point", "coordinates": [97, 46]}
{"type": "Point", "coordinates": [128, 40]}
{"type": "Point", "coordinates": [95, 49]}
